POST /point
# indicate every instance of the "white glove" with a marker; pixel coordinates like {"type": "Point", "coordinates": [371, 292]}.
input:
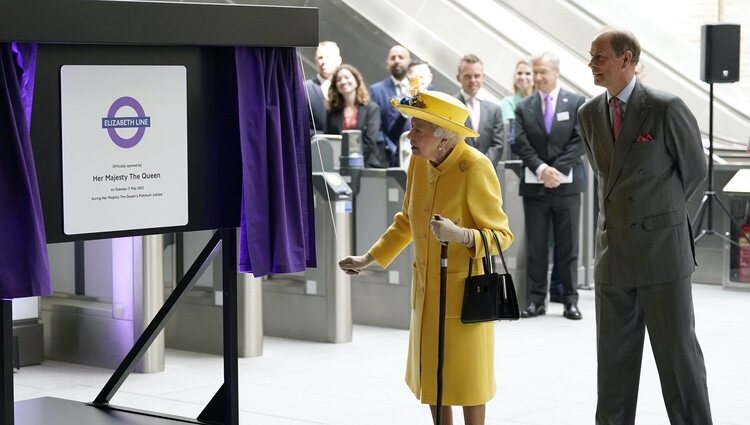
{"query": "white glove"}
{"type": "Point", "coordinates": [446, 231]}
{"type": "Point", "coordinates": [352, 264]}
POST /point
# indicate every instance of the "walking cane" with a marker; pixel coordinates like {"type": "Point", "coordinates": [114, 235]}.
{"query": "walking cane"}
{"type": "Point", "coordinates": [441, 329]}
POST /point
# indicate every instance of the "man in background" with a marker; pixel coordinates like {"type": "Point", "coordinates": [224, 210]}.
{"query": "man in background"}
{"type": "Point", "coordinates": [327, 59]}
{"type": "Point", "coordinates": [392, 123]}
{"type": "Point", "coordinates": [485, 117]}
{"type": "Point", "coordinates": [419, 75]}
{"type": "Point", "coordinates": [548, 140]}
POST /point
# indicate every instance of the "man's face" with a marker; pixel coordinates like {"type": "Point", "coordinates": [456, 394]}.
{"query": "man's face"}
{"type": "Point", "coordinates": [609, 70]}
{"type": "Point", "coordinates": [398, 62]}
{"type": "Point", "coordinates": [545, 75]}
{"type": "Point", "coordinates": [327, 58]}
{"type": "Point", "coordinates": [471, 77]}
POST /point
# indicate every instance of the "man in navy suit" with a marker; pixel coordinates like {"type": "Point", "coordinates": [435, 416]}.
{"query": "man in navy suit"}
{"type": "Point", "coordinates": [327, 59]}
{"type": "Point", "coordinates": [392, 122]}
{"type": "Point", "coordinates": [548, 140]}
{"type": "Point", "coordinates": [485, 117]}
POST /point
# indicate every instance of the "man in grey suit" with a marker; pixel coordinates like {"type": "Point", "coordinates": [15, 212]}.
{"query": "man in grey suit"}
{"type": "Point", "coordinates": [645, 149]}
{"type": "Point", "coordinates": [485, 117]}
{"type": "Point", "coordinates": [548, 140]}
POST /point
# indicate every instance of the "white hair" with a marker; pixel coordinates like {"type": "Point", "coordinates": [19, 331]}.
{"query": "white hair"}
{"type": "Point", "coordinates": [451, 137]}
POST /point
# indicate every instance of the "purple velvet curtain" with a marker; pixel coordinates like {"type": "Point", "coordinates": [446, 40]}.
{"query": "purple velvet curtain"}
{"type": "Point", "coordinates": [24, 267]}
{"type": "Point", "coordinates": [277, 232]}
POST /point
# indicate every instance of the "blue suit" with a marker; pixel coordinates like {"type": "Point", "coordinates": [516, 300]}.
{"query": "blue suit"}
{"type": "Point", "coordinates": [392, 123]}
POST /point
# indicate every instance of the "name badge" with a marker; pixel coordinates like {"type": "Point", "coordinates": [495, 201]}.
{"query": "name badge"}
{"type": "Point", "coordinates": [563, 116]}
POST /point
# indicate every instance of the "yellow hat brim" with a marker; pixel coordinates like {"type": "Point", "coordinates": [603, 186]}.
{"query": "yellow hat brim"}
{"type": "Point", "coordinates": [423, 114]}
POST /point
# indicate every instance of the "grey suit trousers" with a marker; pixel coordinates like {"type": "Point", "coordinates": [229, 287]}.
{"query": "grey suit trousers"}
{"type": "Point", "coordinates": [622, 315]}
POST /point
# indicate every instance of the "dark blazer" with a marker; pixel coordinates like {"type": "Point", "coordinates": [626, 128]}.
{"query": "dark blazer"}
{"type": "Point", "coordinates": [562, 148]}
{"type": "Point", "coordinates": [490, 141]}
{"type": "Point", "coordinates": [392, 123]}
{"type": "Point", "coordinates": [318, 105]}
{"type": "Point", "coordinates": [643, 234]}
{"type": "Point", "coordinates": [368, 121]}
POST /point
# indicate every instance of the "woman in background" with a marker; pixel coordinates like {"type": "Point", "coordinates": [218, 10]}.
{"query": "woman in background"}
{"type": "Point", "coordinates": [349, 108]}
{"type": "Point", "coordinates": [523, 85]}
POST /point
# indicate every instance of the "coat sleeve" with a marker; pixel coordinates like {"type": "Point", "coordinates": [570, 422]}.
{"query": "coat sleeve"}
{"type": "Point", "coordinates": [497, 142]}
{"type": "Point", "coordinates": [485, 203]}
{"type": "Point", "coordinates": [573, 150]}
{"type": "Point", "coordinates": [398, 235]}
{"type": "Point", "coordinates": [683, 140]}
{"type": "Point", "coordinates": [368, 120]}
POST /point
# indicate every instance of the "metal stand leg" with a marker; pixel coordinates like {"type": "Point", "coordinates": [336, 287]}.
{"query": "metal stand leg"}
{"type": "Point", "coordinates": [224, 406]}
{"type": "Point", "coordinates": [6, 362]}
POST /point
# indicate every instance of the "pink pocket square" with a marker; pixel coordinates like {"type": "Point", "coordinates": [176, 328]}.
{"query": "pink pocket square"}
{"type": "Point", "coordinates": [643, 138]}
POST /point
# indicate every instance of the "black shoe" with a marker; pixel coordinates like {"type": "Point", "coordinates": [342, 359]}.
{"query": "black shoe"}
{"type": "Point", "coordinates": [555, 299]}
{"type": "Point", "coordinates": [571, 312]}
{"type": "Point", "coordinates": [533, 310]}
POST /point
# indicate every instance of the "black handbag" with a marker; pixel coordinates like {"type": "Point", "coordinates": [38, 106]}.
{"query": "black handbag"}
{"type": "Point", "coordinates": [489, 296]}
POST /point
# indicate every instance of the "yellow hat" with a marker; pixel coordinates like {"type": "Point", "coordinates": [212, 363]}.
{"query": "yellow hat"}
{"type": "Point", "coordinates": [438, 108]}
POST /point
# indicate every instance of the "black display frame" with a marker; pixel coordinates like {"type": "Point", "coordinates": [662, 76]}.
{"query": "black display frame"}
{"type": "Point", "coordinates": [214, 165]}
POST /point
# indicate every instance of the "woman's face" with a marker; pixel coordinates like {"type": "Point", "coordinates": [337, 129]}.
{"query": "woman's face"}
{"type": "Point", "coordinates": [423, 142]}
{"type": "Point", "coordinates": [524, 79]}
{"type": "Point", "coordinates": [345, 82]}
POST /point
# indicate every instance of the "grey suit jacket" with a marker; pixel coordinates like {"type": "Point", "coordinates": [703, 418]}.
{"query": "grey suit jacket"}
{"type": "Point", "coordinates": [491, 139]}
{"type": "Point", "coordinates": [562, 148]}
{"type": "Point", "coordinates": [643, 234]}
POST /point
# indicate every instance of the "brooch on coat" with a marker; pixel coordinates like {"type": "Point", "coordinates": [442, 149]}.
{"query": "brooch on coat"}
{"type": "Point", "coordinates": [463, 165]}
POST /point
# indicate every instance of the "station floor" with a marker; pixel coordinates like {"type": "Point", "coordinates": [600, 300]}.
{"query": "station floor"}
{"type": "Point", "coordinates": [546, 375]}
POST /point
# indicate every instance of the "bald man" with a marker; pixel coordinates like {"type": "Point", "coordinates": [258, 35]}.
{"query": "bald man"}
{"type": "Point", "coordinates": [392, 123]}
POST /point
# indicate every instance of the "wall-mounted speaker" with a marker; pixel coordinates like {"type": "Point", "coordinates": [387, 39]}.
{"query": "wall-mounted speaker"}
{"type": "Point", "coordinates": [720, 53]}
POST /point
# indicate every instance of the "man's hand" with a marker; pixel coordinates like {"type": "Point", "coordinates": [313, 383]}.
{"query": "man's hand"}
{"type": "Point", "coordinates": [353, 264]}
{"type": "Point", "coordinates": [551, 177]}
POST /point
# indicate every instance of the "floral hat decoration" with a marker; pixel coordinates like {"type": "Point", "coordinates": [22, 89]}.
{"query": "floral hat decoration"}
{"type": "Point", "coordinates": [438, 108]}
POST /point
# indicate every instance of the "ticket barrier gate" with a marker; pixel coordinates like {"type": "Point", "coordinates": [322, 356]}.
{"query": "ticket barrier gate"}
{"type": "Point", "coordinates": [381, 297]}
{"type": "Point", "coordinates": [316, 304]}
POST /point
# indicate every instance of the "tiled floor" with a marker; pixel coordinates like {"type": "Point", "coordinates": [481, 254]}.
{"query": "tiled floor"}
{"type": "Point", "coordinates": [545, 373]}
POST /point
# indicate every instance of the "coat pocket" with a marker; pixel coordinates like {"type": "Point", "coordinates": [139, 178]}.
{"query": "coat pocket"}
{"type": "Point", "coordinates": [672, 218]}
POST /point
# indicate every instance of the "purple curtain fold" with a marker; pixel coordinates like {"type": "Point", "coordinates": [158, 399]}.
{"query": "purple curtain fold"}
{"type": "Point", "coordinates": [24, 267]}
{"type": "Point", "coordinates": [277, 233]}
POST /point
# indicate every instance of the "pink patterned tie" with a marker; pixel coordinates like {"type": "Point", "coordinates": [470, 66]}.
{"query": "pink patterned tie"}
{"type": "Point", "coordinates": [616, 116]}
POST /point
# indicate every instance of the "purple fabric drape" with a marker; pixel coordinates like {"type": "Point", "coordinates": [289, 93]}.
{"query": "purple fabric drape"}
{"type": "Point", "coordinates": [24, 267]}
{"type": "Point", "coordinates": [277, 232]}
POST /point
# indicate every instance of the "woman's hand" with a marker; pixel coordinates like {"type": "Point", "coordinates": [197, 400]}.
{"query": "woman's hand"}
{"type": "Point", "coordinates": [447, 231]}
{"type": "Point", "coordinates": [352, 264]}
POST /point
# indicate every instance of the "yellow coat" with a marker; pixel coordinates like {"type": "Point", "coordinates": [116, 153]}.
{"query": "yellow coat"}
{"type": "Point", "coordinates": [464, 186]}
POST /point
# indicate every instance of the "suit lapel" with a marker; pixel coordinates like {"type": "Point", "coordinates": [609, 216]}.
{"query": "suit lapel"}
{"type": "Point", "coordinates": [536, 108]}
{"type": "Point", "coordinates": [636, 112]}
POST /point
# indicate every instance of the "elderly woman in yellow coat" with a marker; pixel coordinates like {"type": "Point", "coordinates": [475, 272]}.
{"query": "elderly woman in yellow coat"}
{"type": "Point", "coordinates": [449, 178]}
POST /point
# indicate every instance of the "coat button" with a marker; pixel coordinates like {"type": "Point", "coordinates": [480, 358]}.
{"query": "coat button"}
{"type": "Point", "coordinates": [426, 210]}
{"type": "Point", "coordinates": [642, 172]}
{"type": "Point", "coordinates": [631, 199]}
{"type": "Point", "coordinates": [634, 226]}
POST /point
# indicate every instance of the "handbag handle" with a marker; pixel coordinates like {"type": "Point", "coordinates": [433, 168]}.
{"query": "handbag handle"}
{"type": "Point", "coordinates": [500, 248]}
{"type": "Point", "coordinates": [486, 262]}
